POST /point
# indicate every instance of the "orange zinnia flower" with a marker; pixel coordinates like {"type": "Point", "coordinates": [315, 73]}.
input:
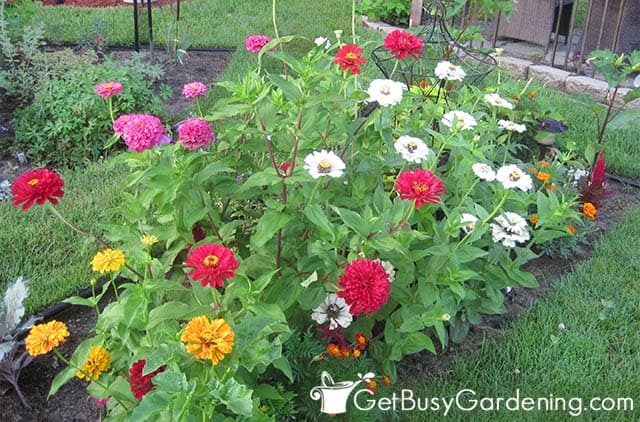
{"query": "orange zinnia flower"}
{"type": "Point", "coordinates": [543, 177]}
{"type": "Point", "coordinates": [208, 339]}
{"type": "Point", "coordinates": [589, 210]}
{"type": "Point", "coordinates": [45, 337]}
{"type": "Point", "coordinates": [534, 219]}
{"type": "Point", "coordinates": [98, 361]}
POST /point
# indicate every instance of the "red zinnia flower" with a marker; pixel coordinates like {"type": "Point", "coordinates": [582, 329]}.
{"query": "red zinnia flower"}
{"type": "Point", "coordinates": [37, 186]}
{"type": "Point", "coordinates": [212, 264]}
{"type": "Point", "coordinates": [365, 286]}
{"type": "Point", "coordinates": [348, 57]}
{"type": "Point", "coordinates": [401, 44]}
{"type": "Point", "coordinates": [421, 185]}
{"type": "Point", "coordinates": [141, 384]}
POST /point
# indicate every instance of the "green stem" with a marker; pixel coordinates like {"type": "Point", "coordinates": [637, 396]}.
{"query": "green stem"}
{"type": "Point", "coordinates": [353, 20]}
{"type": "Point", "coordinates": [313, 191]}
{"type": "Point", "coordinates": [111, 109]}
{"type": "Point", "coordinates": [115, 288]}
{"type": "Point", "coordinates": [395, 67]}
{"type": "Point", "coordinates": [199, 109]}
{"type": "Point", "coordinates": [467, 193]}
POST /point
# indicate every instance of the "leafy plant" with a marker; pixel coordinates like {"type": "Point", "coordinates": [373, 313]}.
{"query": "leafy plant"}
{"type": "Point", "coordinates": [67, 124]}
{"type": "Point", "coordinates": [12, 359]}
{"type": "Point", "coordinates": [392, 11]}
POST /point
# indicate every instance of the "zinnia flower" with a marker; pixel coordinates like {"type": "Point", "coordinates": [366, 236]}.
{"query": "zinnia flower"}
{"type": "Point", "coordinates": [208, 339]}
{"type": "Point", "coordinates": [254, 43]}
{"type": "Point", "coordinates": [385, 91]}
{"type": "Point", "coordinates": [589, 210]}
{"type": "Point", "coordinates": [212, 264]}
{"type": "Point", "coordinates": [512, 177]}
{"type": "Point", "coordinates": [361, 341]}
{"type": "Point", "coordinates": [334, 310]}
{"type": "Point", "coordinates": [497, 101]}
{"type": "Point", "coordinates": [45, 337]}
{"type": "Point", "coordinates": [484, 171]}
{"type": "Point", "coordinates": [414, 150]}
{"type": "Point", "coordinates": [449, 71]}
{"type": "Point", "coordinates": [322, 41]}
{"type": "Point", "coordinates": [543, 177]}
{"type": "Point", "coordinates": [462, 120]}
{"type": "Point", "coordinates": [365, 286]}
{"type": "Point", "coordinates": [37, 186]}
{"type": "Point", "coordinates": [324, 163]}
{"type": "Point", "coordinates": [195, 133]}
{"type": "Point", "coordinates": [512, 126]}
{"type": "Point", "coordinates": [120, 123]}
{"type": "Point", "coordinates": [419, 185]}
{"type": "Point", "coordinates": [108, 260]}
{"type": "Point", "coordinates": [98, 361]}
{"type": "Point", "coordinates": [511, 228]}
{"type": "Point", "coordinates": [468, 222]}
{"type": "Point", "coordinates": [349, 58]}
{"type": "Point", "coordinates": [388, 267]}
{"type": "Point", "coordinates": [194, 89]}
{"type": "Point", "coordinates": [107, 89]}
{"type": "Point", "coordinates": [402, 44]}
{"type": "Point", "coordinates": [141, 384]}
{"type": "Point", "coordinates": [149, 239]}
{"type": "Point", "coordinates": [141, 131]}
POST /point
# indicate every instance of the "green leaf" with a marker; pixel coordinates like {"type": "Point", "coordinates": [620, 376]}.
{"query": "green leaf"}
{"type": "Point", "coordinates": [212, 169]}
{"type": "Point", "coordinates": [291, 91]}
{"type": "Point", "coordinates": [161, 355]}
{"type": "Point", "coordinates": [625, 119]}
{"type": "Point", "coordinates": [283, 365]}
{"type": "Point", "coordinates": [170, 381]}
{"type": "Point", "coordinates": [151, 404]}
{"type": "Point", "coordinates": [318, 217]}
{"type": "Point", "coordinates": [353, 221]}
{"type": "Point", "coordinates": [632, 95]}
{"type": "Point", "coordinates": [411, 324]}
{"type": "Point", "coordinates": [417, 342]}
{"type": "Point", "coordinates": [267, 227]}
{"type": "Point", "coordinates": [267, 177]}
{"type": "Point", "coordinates": [172, 311]}
{"type": "Point", "coordinates": [469, 253]}
{"type": "Point", "coordinates": [235, 396]}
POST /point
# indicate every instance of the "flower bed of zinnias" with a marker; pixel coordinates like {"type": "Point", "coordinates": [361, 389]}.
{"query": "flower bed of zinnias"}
{"type": "Point", "coordinates": [306, 234]}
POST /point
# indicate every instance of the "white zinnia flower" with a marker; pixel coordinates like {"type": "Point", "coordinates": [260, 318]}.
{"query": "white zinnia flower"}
{"type": "Point", "coordinates": [512, 177]}
{"type": "Point", "coordinates": [511, 229]}
{"type": "Point", "coordinates": [579, 174]}
{"type": "Point", "coordinates": [464, 121]}
{"type": "Point", "coordinates": [319, 41]}
{"type": "Point", "coordinates": [412, 149]}
{"type": "Point", "coordinates": [335, 310]}
{"type": "Point", "coordinates": [385, 91]}
{"type": "Point", "coordinates": [449, 71]}
{"type": "Point", "coordinates": [468, 221]}
{"type": "Point", "coordinates": [497, 101]}
{"type": "Point", "coordinates": [484, 171]}
{"type": "Point", "coordinates": [324, 163]}
{"type": "Point", "coordinates": [512, 126]}
{"type": "Point", "coordinates": [388, 268]}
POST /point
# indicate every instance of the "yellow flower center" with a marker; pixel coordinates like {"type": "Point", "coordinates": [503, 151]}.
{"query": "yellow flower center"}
{"type": "Point", "coordinates": [211, 261]}
{"type": "Point", "coordinates": [324, 166]}
{"type": "Point", "coordinates": [351, 56]}
{"type": "Point", "coordinates": [108, 86]}
{"type": "Point", "coordinates": [420, 187]}
{"type": "Point", "coordinates": [33, 182]}
{"type": "Point", "coordinates": [514, 176]}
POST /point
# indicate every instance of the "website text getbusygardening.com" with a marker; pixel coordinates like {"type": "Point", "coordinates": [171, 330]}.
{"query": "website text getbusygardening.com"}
{"type": "Point", "coordinates": [467, 400]}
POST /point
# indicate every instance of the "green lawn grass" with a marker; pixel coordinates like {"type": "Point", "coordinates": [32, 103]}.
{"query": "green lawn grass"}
{"type": "Point", "coordinates": [54, 259]}
{"type": "Point", "coordinates": [596, 355]}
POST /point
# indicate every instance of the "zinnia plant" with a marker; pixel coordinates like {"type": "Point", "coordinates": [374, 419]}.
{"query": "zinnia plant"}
{"type": "Point", "coordinates": [37, 186]}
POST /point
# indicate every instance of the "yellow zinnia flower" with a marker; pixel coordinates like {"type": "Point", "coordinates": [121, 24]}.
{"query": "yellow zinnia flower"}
{"type": "Point", "coordinates": [97, 362]}
{"type": "Point", "coordinates": [45, 337]}
{"type": "Point", "coordinates": [148, 239]}
{"type": "Point", "coordinates": [108, 260]}
{"type": "Point", "coordinates": [208, 339]}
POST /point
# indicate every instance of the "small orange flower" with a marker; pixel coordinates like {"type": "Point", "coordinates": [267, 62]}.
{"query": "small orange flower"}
{"type": "Point", "coordinates": [543, 177]}
{"type": "Point", "coordinates": [571, 229]}
{"type": "Point", "coordinates": [345, 352]}
{"type": "Point", "coordinates": [544, 163]}
{"type": "Point", "coordinates": [333, 350]}
{"type": "Point", "coordinates": [533, 170]}
{"type": "Point", "coordinates": [356, 353]}
{"type": "Point", "coordinates": [534, 219]}
{"type": "Point", "coordinates": [532, 95]}
{"type": "Point", "coordinates": [589, 210]}
{"type": "Point", "coordinates": [372, 386]}
{"type": "Point", "coordinates": [386, 380]}
{"type": "Point", "coordinates": [553, 188]}
{"type": "Point", "coordinates": [361, 341]}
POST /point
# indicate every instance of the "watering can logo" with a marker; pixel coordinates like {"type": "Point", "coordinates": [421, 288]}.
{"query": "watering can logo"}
{"type": "Point", "coordinates": [333, 395]}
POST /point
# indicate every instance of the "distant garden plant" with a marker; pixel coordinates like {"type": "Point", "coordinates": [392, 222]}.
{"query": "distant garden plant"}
{"type": "Point", "coordinates": [311, 221]}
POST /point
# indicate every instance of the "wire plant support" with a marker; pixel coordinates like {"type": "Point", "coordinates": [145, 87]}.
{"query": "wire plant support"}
{"type": "Point", "coordinates": [439, 45]}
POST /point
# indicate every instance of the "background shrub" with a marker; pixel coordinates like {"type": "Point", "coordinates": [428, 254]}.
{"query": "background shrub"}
{"type": "Point", "coordinates": [68, 123]}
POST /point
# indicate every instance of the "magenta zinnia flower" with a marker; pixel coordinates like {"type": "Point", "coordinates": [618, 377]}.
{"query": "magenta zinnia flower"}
{"type": "Point", "coordinates": [141, 384]}
{"type": "Point", "coordinates": [365, 286]}
{"type": "Point", "coordinates": [419, 185]}
{"type": "Point", "coordinates": [254, 43]}
{"type": "Point", "coordinates": [107, 89]}
{"type": "Point", "coordinates": [212, 264]}
{"type": "Point", "coordinates": [195, 133]}
{"type": "Point", "coordinates": [194, 89]}
{"type": "Point", "coordinates": [37, 186]}
{"type": "Point", "coordinates": [401, 44]}
{"type": "Point", "coordinates": [140, 131]}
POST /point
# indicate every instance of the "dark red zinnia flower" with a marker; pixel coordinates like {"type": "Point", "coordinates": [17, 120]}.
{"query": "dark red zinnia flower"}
{"type": "Point", "coordinates": [141, 384]}
{"type": "Point", "coordinates": [212, 264]}
{"type": "Point", "coordinates": [37, 186]}
{"type": "Point", "coordinates": [348, 57]}
{"type": "Point", "coordinates": [365, 286]}
{"type": "Point", "coordinates": [420, 185]}
{"type": "Point", "coordinates": [402, 44]}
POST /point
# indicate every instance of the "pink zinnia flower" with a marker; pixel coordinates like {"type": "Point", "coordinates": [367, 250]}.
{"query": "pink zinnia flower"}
{"type": "Point", "coordinates": [212, 264]}
{"type": "Point", "coordinates": [120, 123]}
{"type": "Point", "coordinates": [419, 185]}
{"type": "Point", "coordinates": [401, 44]}
{"type": "Point", "coordinates": [142, 131]}
{"type": "Point", "coordinates": [194, 89]}
{"type": "Point", "coordinates": [37, 186]}
{"type": "Point", "coordinates": [365, 286]}
{"type": "Point", "coordinates": [141, 384]}
{"type": "Point", "coordinates": [195, 133]}
{"type": "Point", "coordinates": [107, 89]}
{"type": "Point", "coordinates": [254, 43]}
